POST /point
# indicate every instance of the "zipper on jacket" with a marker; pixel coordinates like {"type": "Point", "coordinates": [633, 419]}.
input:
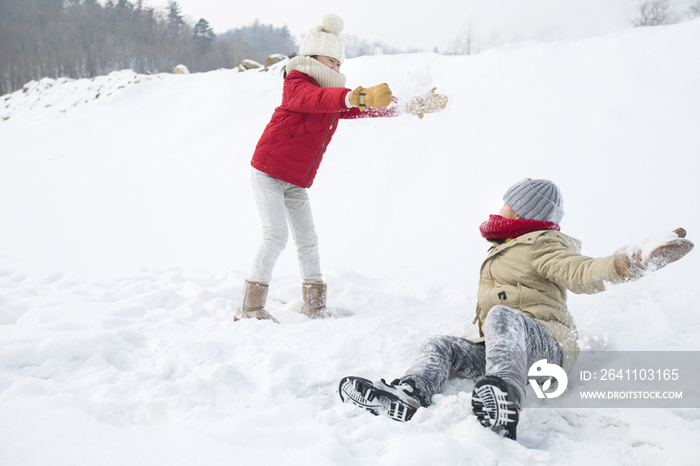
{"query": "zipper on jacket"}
{"type": "Point", "coordinates": [323, 147]}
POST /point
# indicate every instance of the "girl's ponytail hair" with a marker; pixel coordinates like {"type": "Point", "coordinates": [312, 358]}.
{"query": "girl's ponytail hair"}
{"type": "Point", "coordinates": [284, 68]}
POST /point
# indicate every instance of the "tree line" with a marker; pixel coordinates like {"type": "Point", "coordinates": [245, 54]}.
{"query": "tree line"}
{"type": "Point", "coordinates": [661, 12]}
{"type": "Point", "coordinates": [84, 38]}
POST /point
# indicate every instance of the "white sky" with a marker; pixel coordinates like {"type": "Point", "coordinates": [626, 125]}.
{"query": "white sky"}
{"type": "Point", "coordinates": [427, 24]}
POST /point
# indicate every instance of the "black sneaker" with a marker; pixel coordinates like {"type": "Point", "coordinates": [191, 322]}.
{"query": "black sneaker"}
{"type": "Point", "coordinates": [399, 401]}
{"type": "Point", "coordinates": [494, 406]}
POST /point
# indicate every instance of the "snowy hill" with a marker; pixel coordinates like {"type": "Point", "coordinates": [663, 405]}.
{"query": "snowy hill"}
{"type": "Point", "coordinates": [129, 226]}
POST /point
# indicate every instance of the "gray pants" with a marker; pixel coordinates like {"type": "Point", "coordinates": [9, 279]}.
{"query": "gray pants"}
{"type": "Point", "coordinates": [280, 202]}
{"type": "Point", "coordinates": [513, 343]}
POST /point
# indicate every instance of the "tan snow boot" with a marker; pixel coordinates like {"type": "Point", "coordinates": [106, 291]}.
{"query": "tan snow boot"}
{"type": "Point", "coordinates": [253, 303]}
{"type": "Point", "coordinates": [314, 295]}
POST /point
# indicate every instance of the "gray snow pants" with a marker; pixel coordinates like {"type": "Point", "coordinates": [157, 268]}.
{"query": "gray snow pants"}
{"type": "Point", "coordinates": [513, 343]}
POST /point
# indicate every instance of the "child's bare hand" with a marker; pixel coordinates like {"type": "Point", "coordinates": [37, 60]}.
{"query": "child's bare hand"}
{"type": "Point", "coordinates": [375, 96]}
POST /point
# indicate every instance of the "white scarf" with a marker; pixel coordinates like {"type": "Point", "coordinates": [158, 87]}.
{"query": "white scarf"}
{"type": "Point", "coordinates": [324, 76]}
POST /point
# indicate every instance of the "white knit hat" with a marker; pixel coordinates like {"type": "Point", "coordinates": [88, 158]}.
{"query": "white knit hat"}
{"type": "Point", "coordinates": [324, 40]}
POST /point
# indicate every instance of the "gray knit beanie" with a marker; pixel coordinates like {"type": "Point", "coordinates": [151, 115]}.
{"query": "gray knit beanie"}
{"type": "Point", "coordinates": [536, 200]}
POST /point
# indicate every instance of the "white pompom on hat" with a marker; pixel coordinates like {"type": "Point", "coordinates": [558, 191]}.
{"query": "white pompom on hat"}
{"type": "Point", "coordinates": [324, 40]}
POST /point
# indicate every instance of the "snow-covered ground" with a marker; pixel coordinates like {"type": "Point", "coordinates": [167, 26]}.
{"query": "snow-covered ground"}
{"type": "Point", "coordinates": [128, 226]}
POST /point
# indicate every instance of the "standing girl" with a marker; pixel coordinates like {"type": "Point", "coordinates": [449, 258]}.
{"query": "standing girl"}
{"type": "Point", "coordinates": [287, 158]}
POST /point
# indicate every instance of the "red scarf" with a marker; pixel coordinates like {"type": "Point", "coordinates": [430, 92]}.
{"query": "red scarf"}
{"type": "Point", "coordinates": [497, 227]}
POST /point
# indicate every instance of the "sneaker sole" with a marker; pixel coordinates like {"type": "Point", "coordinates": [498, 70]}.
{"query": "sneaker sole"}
{"type": "Point", "coordinates": [497, 419]}
{"type": "Point", "coordinates": [365, 394]}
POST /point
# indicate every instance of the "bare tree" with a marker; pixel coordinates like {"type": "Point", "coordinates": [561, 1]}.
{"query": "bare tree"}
{"type": "Point", "coordinates": [465, 43]}
{"type": "Point", "coordinates": [654, 13]}
{"type": "Point", "coordinates": [694, 10]}
{"type": "Point", "coordinates": [468, 42]}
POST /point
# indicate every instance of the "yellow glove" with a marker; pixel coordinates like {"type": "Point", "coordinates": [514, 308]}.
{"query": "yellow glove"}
{"type": "Point", "coordinates": [375, 96]}
{"type": "Point", "coordinates": [430, 102]}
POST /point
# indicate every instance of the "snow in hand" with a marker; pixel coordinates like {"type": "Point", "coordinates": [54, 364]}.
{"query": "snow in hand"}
{"type": "Point", "coordinates": [129, 226]}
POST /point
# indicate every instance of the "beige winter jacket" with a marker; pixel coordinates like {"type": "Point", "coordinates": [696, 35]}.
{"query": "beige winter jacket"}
{"type": "Point", "coordinates": [532, 273]}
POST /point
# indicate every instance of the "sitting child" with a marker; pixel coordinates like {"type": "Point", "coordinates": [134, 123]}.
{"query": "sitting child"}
{"type": "Point", "coordinates": [521, 312]}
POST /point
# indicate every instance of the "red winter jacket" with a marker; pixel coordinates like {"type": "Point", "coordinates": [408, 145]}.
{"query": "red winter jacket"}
{"type": "Point", "coordinates": [292, 146]}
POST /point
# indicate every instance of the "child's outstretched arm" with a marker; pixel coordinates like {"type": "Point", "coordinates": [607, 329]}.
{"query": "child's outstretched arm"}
{"type": "Point", "coordinates": [552, 259]}
{"type": "Point", "coordinates": [634, 261]}
{"type": "Point", "coordinates": [302, 94]}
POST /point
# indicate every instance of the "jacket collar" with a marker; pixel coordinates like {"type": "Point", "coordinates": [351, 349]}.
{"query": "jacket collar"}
{"type": "Point", "coordinates": [530, 238]}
